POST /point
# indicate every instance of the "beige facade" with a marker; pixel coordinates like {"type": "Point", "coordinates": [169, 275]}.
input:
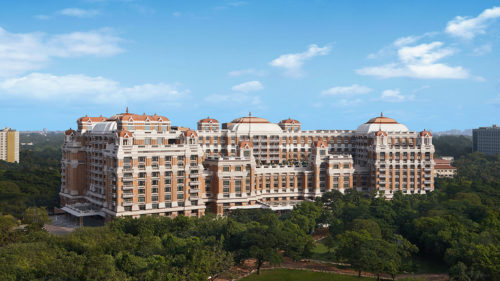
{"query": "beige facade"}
{"type": "Point", "coordinates": [9, 145]}
{"type": "Point", "coordinates": [133, 165]}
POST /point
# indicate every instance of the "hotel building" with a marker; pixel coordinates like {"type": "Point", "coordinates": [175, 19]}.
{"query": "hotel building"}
{"type": "Point", "coordinates": [9, 145]}
{"type": "Point", "coordinates": [133, 165]}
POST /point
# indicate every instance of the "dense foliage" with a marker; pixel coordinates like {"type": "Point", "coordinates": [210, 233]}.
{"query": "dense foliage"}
{"type": "Point", "coordinates": [150, 248]}
{"type": "Point", "coordinates": [36, 180]}
{"type": "Point", "coordinates": [450, 145]}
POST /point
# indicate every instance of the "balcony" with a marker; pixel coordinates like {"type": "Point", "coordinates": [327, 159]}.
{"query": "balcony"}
{"type": "Point", "coordinates": [194, 183]}
{"type": "Point", "coordinates": [194, 190]}
{"type": "Point", "coordinates": [127, 195]}
{"type": "Point", "coordinates": [127, 187]}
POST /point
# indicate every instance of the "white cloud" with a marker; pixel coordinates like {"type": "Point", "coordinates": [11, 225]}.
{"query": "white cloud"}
{"type": "Point", "coordinates": [79, 13]}
{"type": "Point", "coordinates": [249, 71]}
{"type": "Point", "coordinates": [82, 88]}
{"type": "Point", "coordinates": [468, 28]}
{"type": "Point", "coordinates": [22, 52]}
{"type": "Point", "coordinates": [398, 43]}
{"type": "Point", "coordinates": [395, 96]}
{"type": "Point", "coordinates": [419, 61]}
{"type": "Point", "coordinates": [249, 86]}
{"type": "Point", "coordinates": [292, 63]}
{"type": "Point", "coordinates": [346, 91]}
{"type": "Point", "coordinates": [482, 50]}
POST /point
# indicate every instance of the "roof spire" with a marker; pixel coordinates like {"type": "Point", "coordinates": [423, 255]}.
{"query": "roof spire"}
{"type": "Point", "coordinates": [126, 111]}
{"type": "Point", "coordinates": [381, 114]}
{"type": "Point", "coordinates": [249, 114]}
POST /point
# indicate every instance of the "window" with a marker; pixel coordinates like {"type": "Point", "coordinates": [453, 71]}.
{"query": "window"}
{"type": "Point", "coordinates": [237, 168]}
{"type": "Point", "coordinates": [147, 141]}
{"type": "Point", "coordinates": [225, 168]}
{"type": "Point", "coordinates": [167, 181]}
{"type": "Point", "coordinates": [168, 197]}
{"type": "Point", "coordinates": [142, 183]}
{"type": "Point", "coordinates": [154, 198]}
{"type": "Point", "coordinates": [154, 190]}
{"type": "Point", "coordinates": [180, 188]}
{"type": "Point", "coordinates": [168, 158]}
{"type": "Point", "coordinates": [141, 199]}
{"type": "Point", "coordinates": [155, 158]}
{"type": "Point", "coordinates": [155, 206]}
{"type": "Point", "coordinates": [154, 182]}
{"type": "Point", "coordinates": [346, 166]}
{"type": "Point", "coordinates": [225, 186]}
{"type": "Point", "coordinates": [237, 184]}
{"type": "Point", "coordinates": [180, 173]}
{"type": "Point", "coordinates": [180, 196]}
{"type": "Point", "coordinates": [168, 189]}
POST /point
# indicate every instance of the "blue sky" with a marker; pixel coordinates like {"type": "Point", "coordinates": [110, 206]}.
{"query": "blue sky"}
{"type": "Point", "coordinates": [329, 64]}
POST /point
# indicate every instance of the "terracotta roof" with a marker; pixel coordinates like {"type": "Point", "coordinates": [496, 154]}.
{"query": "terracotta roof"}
{"type": "Point", "coordinates": [124, 134]}
{"type": "Point", "coordinates": [69, 132]}
{"type": "Point", "coordinates": [442, 164]}
{"type": "Point", "coordinates": [208, 120]}
{"type": "Point", "coordinates": [91, 119]}
{"type": "Point", "coordinates": [245, 144]}
{"type": "Point", "coordinates": [425, 133]}
{"type": "Point", "coordinates": [136, 117]}
{"type": "Point", "coordinates": [190, 133]}
{"type": "Point", "coordinates": [250, 119]}
{"type": "Point", "coordinates": [320, 143]}
{"type": "Point", "coordinates": [289, 121]}
{"type": "Point", "coordinates": [381, 133]}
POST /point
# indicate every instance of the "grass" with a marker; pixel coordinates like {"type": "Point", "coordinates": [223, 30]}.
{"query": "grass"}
{"type": "Point", "coordinates": [299, 275]}
{"type": "Point", "coordinates": [320, 252]}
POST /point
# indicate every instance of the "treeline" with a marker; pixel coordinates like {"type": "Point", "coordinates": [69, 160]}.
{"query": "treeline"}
{"type": "Point", "coordinates": [450, 145]}
{"type": "Point", "coordinates": [149, 248]}
{"type": "Point", "coordinates": [35, 181]}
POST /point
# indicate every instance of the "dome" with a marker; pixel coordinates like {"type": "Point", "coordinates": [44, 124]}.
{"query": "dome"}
{"type": "Point", "coordinates": [104, 127]}
{"type": "Point", "coordinates": [254, 125]}
{"type": "Point", "coordinates": [250, 119]}
{"type": "Point", "coordinates": [381, 123]}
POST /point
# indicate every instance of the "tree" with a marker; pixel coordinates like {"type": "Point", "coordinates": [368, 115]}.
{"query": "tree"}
{"type": "Point", "coordinates": [35, 218]}
{"type": "Point", "coordinates": [329, 242]}
{"type": "Point", "coordinates": [7, 229]}
{"type": "Point", "coordinates": [260, 242]}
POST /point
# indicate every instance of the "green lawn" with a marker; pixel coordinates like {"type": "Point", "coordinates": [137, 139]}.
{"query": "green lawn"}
{"type": "Point", "coordinates": [299, 275]}
{"type": "Point", "coordinates": [320, 252]}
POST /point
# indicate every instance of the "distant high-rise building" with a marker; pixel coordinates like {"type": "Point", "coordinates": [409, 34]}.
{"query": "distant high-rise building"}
{"type": "Point", "coordinates": [9, 145]}
{"type": "Point", "coordinates": [134, 165]}
{"type": "Point", "coordinates": [486, 140]}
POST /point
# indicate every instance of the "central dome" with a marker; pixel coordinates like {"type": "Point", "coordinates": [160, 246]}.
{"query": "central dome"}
{"type": "Point", "coordinates": [254, 125]}
{"type": "Point", "coordinates": [250, 119]}
{"type": "Point", "coordinates": [381, 123]}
